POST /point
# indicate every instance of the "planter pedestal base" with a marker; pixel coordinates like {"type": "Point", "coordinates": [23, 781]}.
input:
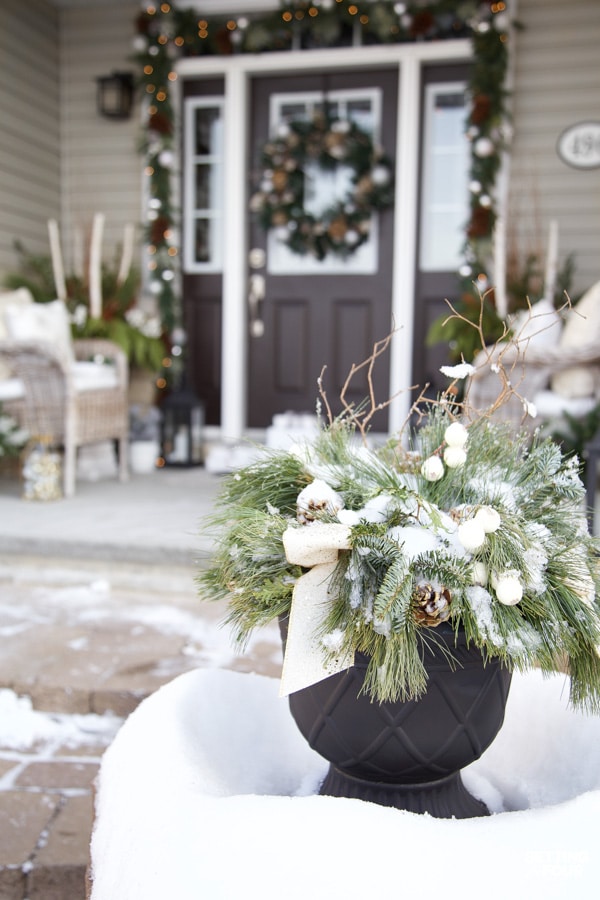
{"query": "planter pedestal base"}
{"type": "Point", "coordinates": [445, 798]}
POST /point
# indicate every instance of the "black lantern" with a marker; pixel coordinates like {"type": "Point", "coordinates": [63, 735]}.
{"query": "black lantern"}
{"type": "Point", "coordinates": [115, 95]}
{"type": "Point", "coordinates": [182, 429]}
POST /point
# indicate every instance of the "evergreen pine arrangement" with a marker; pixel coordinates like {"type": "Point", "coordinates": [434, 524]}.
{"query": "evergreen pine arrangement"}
{"type": "Point", "coordinates": [458, 520]}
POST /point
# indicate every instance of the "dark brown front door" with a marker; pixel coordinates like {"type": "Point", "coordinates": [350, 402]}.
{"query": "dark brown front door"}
{"type": "Point", "coordinates": [314, 314]}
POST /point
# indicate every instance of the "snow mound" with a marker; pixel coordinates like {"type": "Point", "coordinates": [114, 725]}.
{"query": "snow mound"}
{"type": "Point", "coordinates": [209, 790]}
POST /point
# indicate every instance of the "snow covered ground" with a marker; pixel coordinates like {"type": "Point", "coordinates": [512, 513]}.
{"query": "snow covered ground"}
{"type": "Point", "coordinates": [210, 791]}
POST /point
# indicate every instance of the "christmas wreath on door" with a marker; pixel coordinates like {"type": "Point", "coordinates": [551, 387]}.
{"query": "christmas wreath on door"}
{"type": "Point", "coordinates": [328, 143]}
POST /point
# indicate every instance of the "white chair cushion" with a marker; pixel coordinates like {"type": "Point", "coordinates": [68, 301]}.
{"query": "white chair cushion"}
{"type": "Point", "coordinates": [551, 405]}
{"type": "Point", "coordinates": [11, 389]}
{"type": "Point", "coordinates": [582, 327]}
{"type": "Point", "coordinates": [91, 376]}
{"type": "Point", "coordinates": [87, 376]}
{"type": "Point", "coordinates": [47, 322]}
{"type": "Point", "coordinates": [20, 297]}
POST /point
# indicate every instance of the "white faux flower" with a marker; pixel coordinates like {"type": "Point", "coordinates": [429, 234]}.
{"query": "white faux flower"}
{"type": "Point", "coordinates": [456, 435]}
{"type": "Point", "coordinates": [471, 535]}
{"type": "Point", "coordinates": [508, 588]}
{"type": "Point", "coordinates": [488, 518]}
{"type": "Point", "coordinates": [455, 457]}
{"type": "Point", "coordinates": [432, 468]}
{"type": "Point", "coordinates": [480, 573]}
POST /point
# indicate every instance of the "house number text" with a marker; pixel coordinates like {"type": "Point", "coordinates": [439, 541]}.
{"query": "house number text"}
{"type": "Point", "coordinates": [579, 145]}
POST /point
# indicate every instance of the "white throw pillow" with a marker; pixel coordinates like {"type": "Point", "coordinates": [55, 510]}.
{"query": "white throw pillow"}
{"type": "Point", "coordinates": [540, 326]}
{"type": "Point", "coordinates": [48, 322]}
{"type": "Point", "coordinates": [582, 327]}
{"type": "Point", "coordinates": [551, 406]}
{"type": "Point", "coordinates": [20, 297]}
{"type": "Point", "coordinates": [11, 389]}
{"type": "Point", "coordinates": [91, 376]}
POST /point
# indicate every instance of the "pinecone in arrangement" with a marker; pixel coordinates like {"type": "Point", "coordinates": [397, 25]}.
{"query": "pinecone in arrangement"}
{"type": "Point", "coordinates": [431, 606]}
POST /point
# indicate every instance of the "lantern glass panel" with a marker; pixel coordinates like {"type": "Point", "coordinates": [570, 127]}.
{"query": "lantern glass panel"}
{"type": "Point", "coordinates": [182, 430]}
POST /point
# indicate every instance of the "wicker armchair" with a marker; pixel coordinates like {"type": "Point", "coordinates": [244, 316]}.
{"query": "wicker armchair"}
{"type": "Point", "coordinates": [557, 378]}
{"type": "Point", "coordinates": [530, 372]}
{"type": "Point", "coordinates": [58, 401]}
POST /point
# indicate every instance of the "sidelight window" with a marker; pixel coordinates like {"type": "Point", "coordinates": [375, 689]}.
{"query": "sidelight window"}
{"type": "Point", "coordinates": [444, 204]}
{"type": "Point", "coordinates": [203, 185]}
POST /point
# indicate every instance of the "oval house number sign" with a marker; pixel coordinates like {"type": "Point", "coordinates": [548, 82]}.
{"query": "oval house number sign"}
{"type": "Point", "coordinates": [579, 145]}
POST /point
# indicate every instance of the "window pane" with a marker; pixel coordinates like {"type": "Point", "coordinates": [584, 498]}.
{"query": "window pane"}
{"type": "Point", "coordinates": [323, 187]}
{"type": "Point", "coordinates": [361, 112]}
{"type": "Point", "coordinates": [203, 189]}
{"type": "Point", "coordinates": [204, 181]}
{"type": "Point", "coordinates": [444, 207]}
{"type": "Point", "coordinates": [293, 112]}
{"type": "Point", "coordinates": [208, 131]}
{"type": "Point", "coordinates": [203, 240]}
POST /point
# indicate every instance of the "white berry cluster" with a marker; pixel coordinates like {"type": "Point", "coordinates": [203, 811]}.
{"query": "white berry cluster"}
{"type": "Point", "coordinates": [472, 532]}
{"type": "Point", "coordinates": [455, 454]}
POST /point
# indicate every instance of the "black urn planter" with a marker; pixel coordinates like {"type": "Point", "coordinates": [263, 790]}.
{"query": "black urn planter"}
{"type": "Point", "coordinates": [407, 754]}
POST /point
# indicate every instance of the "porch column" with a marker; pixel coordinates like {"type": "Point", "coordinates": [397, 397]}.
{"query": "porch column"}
{"type": "Point", "coordinates": [405, 238]}
{"type": "Point", "coordinates": [233, 339]}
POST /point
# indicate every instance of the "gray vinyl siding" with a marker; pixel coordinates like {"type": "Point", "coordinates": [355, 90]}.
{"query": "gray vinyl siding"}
{"type": "Point", "coordinates": [30, 133]}
{"type": "Point", "coordinates": [101, 166]}
{"type": "Point", "coordinates": [59, 159]}
{"type": "Point", "coordinates": [556, 84]}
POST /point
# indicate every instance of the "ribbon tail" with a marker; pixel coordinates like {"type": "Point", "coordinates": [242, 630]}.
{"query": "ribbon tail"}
{"type": "Point", "coordinates": [304, 663]}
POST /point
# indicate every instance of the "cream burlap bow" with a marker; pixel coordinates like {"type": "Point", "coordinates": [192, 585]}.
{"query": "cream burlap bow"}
{"type": "Point", "coordinates": [315, 547]}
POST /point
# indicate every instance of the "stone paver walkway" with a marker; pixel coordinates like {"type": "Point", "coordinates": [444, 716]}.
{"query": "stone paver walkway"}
{"type": "Point", "coordinates": [98, 609]}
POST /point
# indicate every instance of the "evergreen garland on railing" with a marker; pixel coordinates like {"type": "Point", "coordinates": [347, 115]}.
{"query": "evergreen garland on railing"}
{"type": "Point", "coordinates": [166, 33]}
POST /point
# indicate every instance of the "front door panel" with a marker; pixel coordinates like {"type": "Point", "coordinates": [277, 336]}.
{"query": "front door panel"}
{"type": "Point", "coordinates": [303, 313]}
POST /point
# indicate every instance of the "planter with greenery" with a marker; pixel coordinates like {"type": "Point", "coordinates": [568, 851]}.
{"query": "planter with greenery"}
{"type": "Point", "coordinates": [454, 523]}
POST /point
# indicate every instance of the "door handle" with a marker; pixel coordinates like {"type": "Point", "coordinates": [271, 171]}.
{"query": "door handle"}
{"type": "Point", "coordinates": [256, 294]}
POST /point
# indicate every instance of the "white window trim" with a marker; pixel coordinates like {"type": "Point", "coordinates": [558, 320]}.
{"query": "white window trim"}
{"type": "Point", "coordinates": [191, 265]}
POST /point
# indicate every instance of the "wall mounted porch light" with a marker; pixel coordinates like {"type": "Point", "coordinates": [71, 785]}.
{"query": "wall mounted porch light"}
{"type": "Point", "coordinates": [115, 95]}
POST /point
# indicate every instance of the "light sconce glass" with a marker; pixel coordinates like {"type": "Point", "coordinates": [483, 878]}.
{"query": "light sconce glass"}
{"type": "Point", "coordinates": [115, 95]}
